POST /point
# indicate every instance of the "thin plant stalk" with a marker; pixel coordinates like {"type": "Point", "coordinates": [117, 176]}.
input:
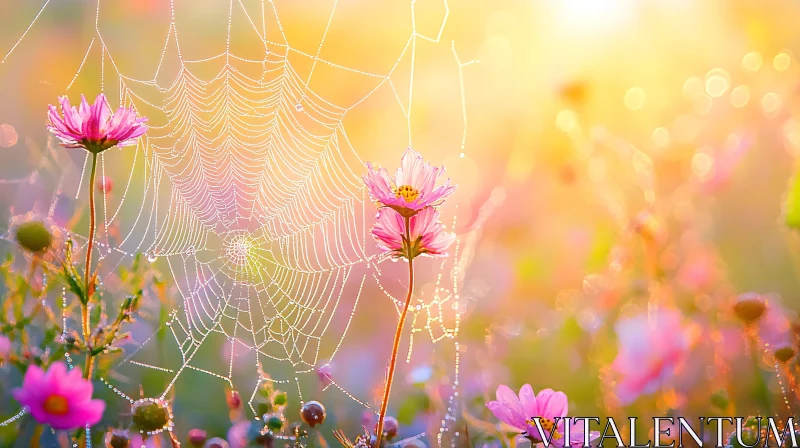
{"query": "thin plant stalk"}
{"type": "Point", "coordinates": [87, 370]}
{"type": "Point", "coordinates": [397, 335]}
{"type": "Point", "coordinates": [762, 389]}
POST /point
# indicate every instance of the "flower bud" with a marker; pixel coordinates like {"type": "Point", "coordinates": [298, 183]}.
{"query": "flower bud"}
{"type": "Point", "coordinates": [33, 236]}
{"type": "Point", "coordinates": [390, 428]}
{"type": "Point", "coordinates": [415, 444]}
{"type": "Point", "coordinates": [749, 307]}
{"type": "Point", "coordinates": [216, 442]}
{"type": "Point", "coordinates": [118, 438]}
{"type": "Point", "coordinates": [151, 415]}
{"type": "Point", "coordinates": [234, 401]}
{"type": "Point", "coordinates": [197, 437]}
{"type": "Point", "coordinates": [312, 413]}
{"type": "Point", "coordinates": [273, 421]}
{"type": "Point", "coordinates": [784, 354]}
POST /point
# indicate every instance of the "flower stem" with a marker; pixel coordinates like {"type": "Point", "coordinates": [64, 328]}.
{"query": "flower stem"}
{"type": "Point", "coordinates": [397, 335]}
{"type": "Point", "coordinates": [90, 243]}
{"type": "Point", "coordinates": [85, 325]}
{"type": "Point", "coordinates": [762, 389]}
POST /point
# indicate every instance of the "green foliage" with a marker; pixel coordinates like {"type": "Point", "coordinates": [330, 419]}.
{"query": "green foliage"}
{"type": "Point", "coordinates": [791, 208]}
{"type": "Point", "coordinates": [413, 405]}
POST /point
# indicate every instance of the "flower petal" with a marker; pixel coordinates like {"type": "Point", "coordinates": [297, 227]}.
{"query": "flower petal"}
{"type": "Point", "coordinates": [552, 404]}
{"type": "Point", "coordinates": [528, 399]}
{"type": "Point", "coordinates": [509, 398]}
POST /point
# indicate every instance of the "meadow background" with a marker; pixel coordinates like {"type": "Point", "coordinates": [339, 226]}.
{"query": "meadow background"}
{"type": "Point", "coordinates": [621, 159]}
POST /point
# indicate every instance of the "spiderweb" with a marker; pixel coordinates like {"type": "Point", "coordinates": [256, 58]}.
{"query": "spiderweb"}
{"type": "Point", "coordinates": [247, 188]}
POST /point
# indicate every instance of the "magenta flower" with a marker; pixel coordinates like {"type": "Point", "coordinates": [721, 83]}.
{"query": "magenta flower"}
{"type": "Point", "coordinates": [650, 349]}
{"type": "Point", "coordinates": [426, 234]}
{"type": "Point", "coordinates": [548, 406]}
{"type": "Point", "coordinates": [413, 188]}
{"type": "Point", "coordinates": [93, 127]}
{"type": "Point", "coordinates": [59, 398]}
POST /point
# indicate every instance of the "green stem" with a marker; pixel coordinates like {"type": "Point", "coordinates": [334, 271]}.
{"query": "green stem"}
{"type": "Point", "coordinates": [398, 333]}
{"type": "Point", "coordinates": [90, 243]}
{"type": "Point", "coordinates": [37, 436]}
{"type": "Point", "coordinates": [762, 390]}
{"type": "Point", "coordinates": [85, 324]}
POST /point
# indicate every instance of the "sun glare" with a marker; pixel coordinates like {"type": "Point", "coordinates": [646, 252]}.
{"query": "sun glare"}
{"type": "Point", "coordinates": [595, 14]}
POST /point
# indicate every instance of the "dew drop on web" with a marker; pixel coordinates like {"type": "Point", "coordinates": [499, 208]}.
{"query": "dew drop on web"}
{"type": "Point", "coordinates": [151, 257]}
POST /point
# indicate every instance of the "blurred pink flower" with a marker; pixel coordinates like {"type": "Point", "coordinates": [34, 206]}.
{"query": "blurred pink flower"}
{"type": "Point", "coordinates": [5, 347]}
{"type": "Point", "coordinates": [413, 188]}
{"type": "Point", "coordinates": [93, 127]}
{"type": "Point", "coordinates": [548, 406]}
{"type": "Point", "coordinates": [238, 434]}
{"type": "Point", "coordinates": [698, 271]}
{"type": "Point", "coordinates": [650, 348]}
{"type": "Point", "coordinates": [774, 327]}
{"type": "Point", "coordinates": [427, 235]}
{"type": "Point", "coordinates": [59, 398]}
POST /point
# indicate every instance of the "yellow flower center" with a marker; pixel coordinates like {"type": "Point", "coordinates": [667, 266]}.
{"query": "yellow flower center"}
{"type": "Point", "coordinates": [547, 426]}
{"type": "Point", "coordinates": [56, 404]}
{"type": "Point", "coordinates": [406, 192]}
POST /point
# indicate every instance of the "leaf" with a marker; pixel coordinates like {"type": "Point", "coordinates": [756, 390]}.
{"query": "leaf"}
{"type": "Point", "coordinates": [791, 208]}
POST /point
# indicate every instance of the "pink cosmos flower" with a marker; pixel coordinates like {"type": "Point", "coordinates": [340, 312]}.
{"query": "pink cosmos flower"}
{"type": "Point", "coordinates": [59, 398]}
{"type": "Point", "coordinates": [650, 349]}
{"type": "Point", "coordinates": [548, 406]}
{"type": "Point", "coordinates": [413, 188]}
{"type": "Point", "coordinates": [426, 234]}
{"type": "Point", "coordinates": [93, 127]}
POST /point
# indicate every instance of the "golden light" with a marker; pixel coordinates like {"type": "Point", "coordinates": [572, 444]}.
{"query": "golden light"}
{"type": "Point", "coordinates": [717, 82]}
{"type": "Point", "coordinates": [703, 104]}
{"type": "Point", "coordinates": [702, 163]}
{"type": "Point", "coordinates": [595, 14]}
{"type": "Point", "coordinates": [781, 62]}
{"type": "Point", "coordinates": [740, 96]}
{"type": "Point", "coordinates": [770, 103]}
{"type": "Point", "coordinates": [635, 98]}
{"type": "Point", "coordinates": [752, 61]}
{"type": "Point", "coordinates": [661, 137]}
{"type": "Point", "coordinates": [567, 120]}
{"type": "Point", "coordinates": [693, 87]}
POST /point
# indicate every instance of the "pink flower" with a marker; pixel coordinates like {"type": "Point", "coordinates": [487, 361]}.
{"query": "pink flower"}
{"type": "Point", "coordinates": [426, 234]}
{"type": "Point", "coordinates": [548, 406]}
{"type": "Point", "coordinates": [774, 327]}
{"type": "Point", "coordinates": [238, 434]}
{"type": "Point", "coordinates": [92, 127]}
{"type": "Point", "coordinates": [5, 347]}
{"type": "Point", "coordinates": [59, 398]}
{"type": "Point", "coordinates": [650, 349]}
{"type": "Point", "coordinates": [413, 188]}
